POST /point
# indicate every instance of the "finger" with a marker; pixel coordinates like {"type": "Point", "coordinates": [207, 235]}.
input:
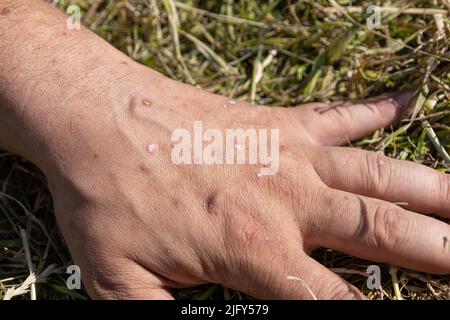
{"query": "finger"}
{"type": "Point", "coordinates": [383, 232]}
{"type": "Point", "coordinates": [289, 277]}
{"type": "Point", "coordinates": [339, 123]}
{"type": "Point", "coordinates": [418, 187]}
{"type": "Point", "coordinates": [322, 284]}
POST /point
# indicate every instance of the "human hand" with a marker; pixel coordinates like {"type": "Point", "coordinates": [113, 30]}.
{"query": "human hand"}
{"type": "Point", "coordinates": [138, 224]}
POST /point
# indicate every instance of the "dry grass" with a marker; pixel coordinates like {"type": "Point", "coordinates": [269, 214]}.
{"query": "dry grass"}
{"type": "Point", "coordinates": [323, 53]}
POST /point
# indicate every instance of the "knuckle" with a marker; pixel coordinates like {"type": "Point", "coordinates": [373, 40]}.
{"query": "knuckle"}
{"type": "Point", "coordinates": [244, 231]}
{"type": "Point", "coordinates": [240, 230]}
{"type": "Point", "coordinates": [391, 229]}
{"type": "Point", "coordinates": [248, 234]}
{"type": "Point", "coordinates": [379, 172]}
{"type": "Point", "coordinates": [242, 235]}
{"type": "Point", "coordinates": [444, 188]}
{"type": "Point", "coordinates": [245, 250]}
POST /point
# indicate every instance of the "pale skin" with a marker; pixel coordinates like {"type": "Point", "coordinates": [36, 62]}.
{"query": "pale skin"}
{"type": "Point", "coordinates": [139, 225]}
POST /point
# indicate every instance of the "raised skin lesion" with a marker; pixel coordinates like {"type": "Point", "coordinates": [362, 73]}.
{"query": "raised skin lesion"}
{"type": "Point", "coordinates": [143, 168]}
{"type": "Point", "coordinates": [146, 102]}
{"type": "Point", "coordinates": [211, 204]}
{"type": "Point", "coordinates": [133, 104]}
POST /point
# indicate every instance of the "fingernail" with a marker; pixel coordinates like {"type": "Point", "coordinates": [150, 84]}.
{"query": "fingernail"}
{"type": "Point", "coordinates": [404, 99]}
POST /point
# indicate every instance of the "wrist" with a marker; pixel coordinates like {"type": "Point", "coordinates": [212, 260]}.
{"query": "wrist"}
{"type": "Point", "coordinates": [55, 84]}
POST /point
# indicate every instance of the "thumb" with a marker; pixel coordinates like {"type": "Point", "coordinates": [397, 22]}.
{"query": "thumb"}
{"type": "Point", "coordinates": [341, 122]}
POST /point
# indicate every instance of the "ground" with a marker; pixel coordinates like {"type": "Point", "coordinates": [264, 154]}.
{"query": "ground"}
{"type": "Point", "coordinates": [320, 51]}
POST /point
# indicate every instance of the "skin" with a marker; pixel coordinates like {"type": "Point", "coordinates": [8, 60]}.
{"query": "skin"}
{"type": "Point", "coordinates": [138, 225]}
